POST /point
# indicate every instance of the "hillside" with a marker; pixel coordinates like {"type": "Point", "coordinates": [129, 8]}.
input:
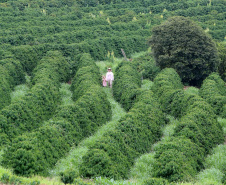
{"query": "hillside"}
{"type": "Point", "coordinates": [58, 124]}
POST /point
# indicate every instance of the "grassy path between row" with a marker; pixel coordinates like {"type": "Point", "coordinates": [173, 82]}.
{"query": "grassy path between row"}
{"type": "Point", "coordinates": [74, 158]}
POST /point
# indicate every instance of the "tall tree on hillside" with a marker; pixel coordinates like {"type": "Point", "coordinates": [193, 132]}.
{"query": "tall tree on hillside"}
{"type": "Point", "coordinates": [181, 44]}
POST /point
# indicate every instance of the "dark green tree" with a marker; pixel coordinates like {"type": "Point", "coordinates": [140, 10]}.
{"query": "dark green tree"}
{"type": "Point", "coordinates": [181, 44]}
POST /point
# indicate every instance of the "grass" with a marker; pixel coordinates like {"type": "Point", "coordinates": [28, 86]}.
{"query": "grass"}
{"type": "Point", "coordinates": [143, 167]}
{"type": "Point", "coordinates": [25, 180]}
{"type": "Point", "coordinates": [218, 158]}
{"type": "Point", "coordinates": [146, 84]}
{"type": "Point", "coordinates": [192, 90]}
{"type": "Point", "coordinates": [222, 122]}
{"type": "Point", "coordinates": [215, 167]}
{"type": "Point", "coordinates": [210, 176]}
{"type": "Point", "coordinates": [66, 94]}
{"type": "Point", "coordinates": [74, 158]}
{"type": "Point", "coordinates": [19, 92]}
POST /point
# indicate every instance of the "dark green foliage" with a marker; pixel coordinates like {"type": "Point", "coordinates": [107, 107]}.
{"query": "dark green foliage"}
{"type": "Point", "coordinates": [156, 181]}
{"type": "Point", "coordinates": [27, 56]}
{"type": "Point", "coordinates": [87, 75]}
{"type": "Point", "coordinates": [36, 106]}
{"type": "Point", "coordinates": [40, 149]}
{"type": "Point", "coordinates": [53, 67]}
{"type": "Point", "coordinates": [167, 84]}
{"type": "Point", "coordinates": [127, 81]}
{"type": "Point", "coordinates": [36, 152]}
{"type": "Point", "coordinates": [5, 178]}
{"type": "Point", "coordinates": [113, 154]}
{"type": "Point", "coordinates": [67, 177]}
{"type": "Point", "coordinates": [177, 159]}
{"type": "Point", "coordinates": [181, 44]}
{"type": "Point", "coordinates": [84, 79]}
{"type": "Point", "coordinates": [41, 101]}
{"type": "Point", "coordinates": [146, 65]}
{"type": "Point", "coordinates": [214, 91]}
{"type": "Point", "coordinates": [198, 129]}
{"type": "Point", "coordinates": [15, 70]}
{"type": "Point", "coordinates": [5, 89]}
{"type": "Point", "coordinates": [222, 65]}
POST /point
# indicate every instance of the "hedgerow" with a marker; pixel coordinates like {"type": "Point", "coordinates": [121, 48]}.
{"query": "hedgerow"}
{"type": "Point", "coordinates": [15, 71]}
{"type": "Point", "coordinates": [11, 74]}
{"type": "Point", "coordinates": [214, 91]}
{"type": "Point", "coordinates": [198, 129]}
{"type": "Point", "coordinates": [113, 154]}
{"type": "Point", "coordinates": [5, 87]}
{"type": "Point", "coordinates": [86, 76]}
{"type": "Point", "coordinates": [177, 159]}
{"type": "Point", "coordinates": [27, 56]}
{"type": "Point", "coordinates": [146, 66]}
{"type": "Point", "coordinates": [40, 102]}
{"type": "Point", "coordinates": [167, 84]}
{"type": "Point", "coordinates": [70, 124]}
{"type": "Point", "coordinates": [126, 84]}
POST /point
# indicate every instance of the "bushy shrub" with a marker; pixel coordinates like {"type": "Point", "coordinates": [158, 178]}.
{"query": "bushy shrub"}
{"type": "Point", "coordinates": [198, 129]}
{"type": "Point", "coordinates": [15, 70]}
{"type": "Point", "coordinates": [72, 123]}
{"type": "Point", "coordinates": [36, 152]}
{"type": "Point", "coordinates": [67, 177]}
{"type": "Point", "coordinates": [27, 56]}
{"type": "Point", "coordinates": [5, 89]}
{"type": "Point", "coordinates": [41, 101]}
{"type": "Point", "coordinates": [167, 87]}
{"type": "Point", "coordinates": [52, 67]}
{"type": "Point", "coordinates": [87, 74]}
{"type": "Point", "coordinates": [168, 77]}
{"type": "Point", "coordinates": [222, 54]}
{"type": "Point", "coordinates": [133, 136]}
{"type": "Point", "coordinates": [127, 81]}
{"type": "Point", "coordinates": [214, 91]}
{"type": "Point", "coordinates": [146, 66]}
{"type": "Point", "coordinates": [177, 159]}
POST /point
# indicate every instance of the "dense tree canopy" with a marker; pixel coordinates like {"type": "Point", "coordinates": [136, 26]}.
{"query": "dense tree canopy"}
{"type": "Point", "coordinates": [183, 45]}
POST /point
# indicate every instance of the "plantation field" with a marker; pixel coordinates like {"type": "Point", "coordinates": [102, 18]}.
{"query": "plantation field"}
{"type": "Point", "coordinates": [164, 120]}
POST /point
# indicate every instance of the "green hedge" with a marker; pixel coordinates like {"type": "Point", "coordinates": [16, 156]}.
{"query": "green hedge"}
{"type": "Point", "coordinates": [27, 56]}
{"type": "Point", "coordinates": [40, 102]}
{"type": "Point", "coordinates": [5, 89]}
{"type": "Point", "coordinates": [146, 65]}
{"type": "Point", "coordinates": [28, 153]}
{"type": "Point", "coordinates": [113, 154]}
{"type": "Point", "coordinates": [167, 84]}
{"type": "Point", "coordinates": [214, 91]}
{"type": "Point", "coordinates": [11, 74]}
{"type": "Point", "coordinates": [53, 67]}
{"type": "Point", "coordinates": [71, 122]}
{"type": "Point", "coordinates": [198, 129]}
{"type": "Point", "coordinates": [127, 81]}
{"type": "Point", "coordinates": [15, 71]}
{"type": "Point", "coordinates": [177, 159]}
